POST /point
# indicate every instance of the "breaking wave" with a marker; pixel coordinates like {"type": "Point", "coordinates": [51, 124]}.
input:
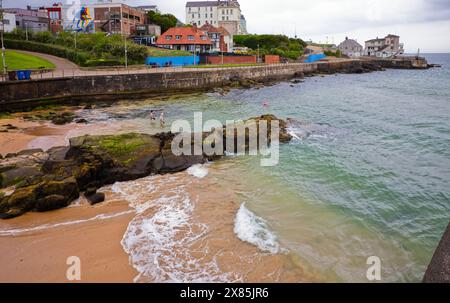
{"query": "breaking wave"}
{"type": "Point", "coordinates": [198, 170]}
{"type": "Point", "coordinates": [163, 241]}
{"type": "Point", "coordinates": [252, 229]}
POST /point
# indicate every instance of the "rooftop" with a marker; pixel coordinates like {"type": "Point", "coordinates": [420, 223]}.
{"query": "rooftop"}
{"type": "Point", "coordinates": [183, 33]}
{"type": "Point", "coordinates": [212, 29]}
{"type": "Point", "coordinates": [208, 3]}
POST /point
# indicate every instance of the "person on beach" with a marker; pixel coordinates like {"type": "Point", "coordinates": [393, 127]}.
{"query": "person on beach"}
{"type": "Point", "coordinates": [161, 119]}
{"type": "Point", "coordinates": [152, 116]}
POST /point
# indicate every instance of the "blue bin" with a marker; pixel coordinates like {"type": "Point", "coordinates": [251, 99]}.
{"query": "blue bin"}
{"type": "Point", "coordinates": [23, 74]}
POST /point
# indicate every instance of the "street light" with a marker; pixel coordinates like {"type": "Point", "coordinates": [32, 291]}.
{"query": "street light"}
{"type": "Point", "coordinates": [126, 51]}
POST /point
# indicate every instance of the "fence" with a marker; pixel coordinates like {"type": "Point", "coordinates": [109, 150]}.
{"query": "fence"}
{"type": "Point", "coordinates": [68, 73]}
{"type": "Point", "coordinates": [172, 61]}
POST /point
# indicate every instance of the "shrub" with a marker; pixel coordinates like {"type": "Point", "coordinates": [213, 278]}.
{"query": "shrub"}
{"type": "Point", "coordinates": [272, 44]}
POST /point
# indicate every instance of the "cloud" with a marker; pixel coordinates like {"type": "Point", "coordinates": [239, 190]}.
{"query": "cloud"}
{"type": "Point", "coordinates": [319, 19]}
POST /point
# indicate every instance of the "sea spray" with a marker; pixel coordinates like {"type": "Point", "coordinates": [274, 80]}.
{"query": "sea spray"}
{"type": "Point", "coordinates": [253, 229]}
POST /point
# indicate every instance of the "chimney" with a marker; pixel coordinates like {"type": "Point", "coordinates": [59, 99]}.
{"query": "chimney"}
{"type": "Point", "coordinates": [346, 38]}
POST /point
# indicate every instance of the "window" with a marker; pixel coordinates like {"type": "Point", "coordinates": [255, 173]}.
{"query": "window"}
{"type": "Point", "coordinates": [231, 12]}
{"type": "Point", "coordinates": [211, 15]}
{"type": "Point", "coordinates": [203, 37]}
{"type": "Point", "coordinates": [54, 15]}
{"type": "Point", "coordinates": [169, 37]}
{"type": "Point", "coordinates": [206, 15]}
{"type": "Point", "coordinates": [227, 18]}
{"type": "Point", "coordinates": [6, 21]}
{"type": "Point", "coordinates": [189, 9]}
{"type": "Point", "coordinates": [190, 37]}
{"type": "Point", "coordinates": [193, 16]}
{"type": "Point", "coordinates": [223, 18]}
{"type": "Point", "coordinates": [178, 37]}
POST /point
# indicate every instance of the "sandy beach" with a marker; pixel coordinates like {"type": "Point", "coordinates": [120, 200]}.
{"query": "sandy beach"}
{"type": "Point", "coordinates": [108, 237]}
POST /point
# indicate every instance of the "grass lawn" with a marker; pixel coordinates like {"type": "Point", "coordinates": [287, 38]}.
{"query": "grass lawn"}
{"type": "Point", "coordinates": [224, 65]}
{"type": "Point", "coordinates": [15, 61]}
{"type": "Point", "coordinates": [162, 52]}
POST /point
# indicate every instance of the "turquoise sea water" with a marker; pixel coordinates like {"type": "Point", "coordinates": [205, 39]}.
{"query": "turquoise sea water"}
{"type": "Point", "coordinates": [375, 183]}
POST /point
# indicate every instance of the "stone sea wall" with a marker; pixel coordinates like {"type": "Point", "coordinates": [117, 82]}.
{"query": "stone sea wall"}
{"type": "Point", "coordinates": [17, 94]}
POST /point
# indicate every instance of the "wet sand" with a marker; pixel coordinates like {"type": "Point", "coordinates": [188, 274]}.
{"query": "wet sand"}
{"type": "Point", "coordinates": [40, 256]}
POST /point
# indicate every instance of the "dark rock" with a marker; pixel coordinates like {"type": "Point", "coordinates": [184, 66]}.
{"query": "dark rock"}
{"type": "Point", "coordinates": [28, 152]}
{"type": "Point", "coordinates": [90, 191]}
{"type": "Point", "coordinates": [10, 127]}
{"type": "Point", "coordinates": [96, 198]}
{"type": "Point", "coordinates": [79, 121]}
{"type": "Point", "coordinates": [20, 202]}
{"type": "Point", "coordinates": [438, 270]}
{"type": "Point", "coordinates": [51, 202]}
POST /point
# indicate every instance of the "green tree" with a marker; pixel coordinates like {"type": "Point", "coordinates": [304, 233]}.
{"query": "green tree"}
{"type": "Point", "coordinates": [166, 21]}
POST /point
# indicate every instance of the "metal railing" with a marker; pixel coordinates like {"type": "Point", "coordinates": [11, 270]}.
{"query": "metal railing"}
{"type": "Point", "coordinates": [86, 72]}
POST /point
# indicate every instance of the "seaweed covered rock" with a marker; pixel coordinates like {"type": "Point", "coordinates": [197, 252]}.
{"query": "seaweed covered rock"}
{"type": "Point", "coordinates": [34, 180]}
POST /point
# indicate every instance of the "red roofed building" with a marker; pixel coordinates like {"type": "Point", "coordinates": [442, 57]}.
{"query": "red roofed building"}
{"type": "Point", "coordinates": [185, 38]}
{"type": "Point", "coordinates": [220, 37]}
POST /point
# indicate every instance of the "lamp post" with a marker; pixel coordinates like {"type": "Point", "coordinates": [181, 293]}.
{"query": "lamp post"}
{"type": "Point", "coordinates": [126, 51]}
{"type": "Point", "coordinates": [2, 41]}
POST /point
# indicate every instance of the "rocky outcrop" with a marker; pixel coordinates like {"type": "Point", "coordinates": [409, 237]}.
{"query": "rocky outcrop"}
{"type": "Point", "coordinates": [438, 270]}
{"type": "Point", "coordinates": [34, 180]}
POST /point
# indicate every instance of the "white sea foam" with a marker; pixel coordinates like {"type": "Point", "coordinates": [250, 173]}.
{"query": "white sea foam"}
{"type": "Point", "coordinates": [159, 240]}
{"type": "Point", "coordinates": [253, 229]}
{"type": "Point", "coordinates": [296, 133]}
{"type": "Point", "coordinates": [198, 170]}
{"type": "Point", "coordinates": [17, 231]}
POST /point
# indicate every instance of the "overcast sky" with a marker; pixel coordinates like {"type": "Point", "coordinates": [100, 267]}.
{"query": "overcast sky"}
{"type": "Point", "coordinates": [423, 24]}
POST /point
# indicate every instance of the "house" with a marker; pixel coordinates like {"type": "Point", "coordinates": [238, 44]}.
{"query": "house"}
{"type": "Point", "coordinates": [102, 16]}
{"type": "Point", "coordinates": [9, 21]}
{"type": "Point", "coordinates": [185, 38]}
{"type": "Point", "coordinates": [384, 47]}
{"type": "Point", "coordinates": [220, 13]}
{"type": "Point", "coordinates": [54, 14]}
{"type": "Point", "coordinates": [117, 18]}
{"type": "Point", "coordinates": [351, 48]}
{"type": "Point", "coordinates": [313, 49]}
{"type": "Point", "coordinates": [148, 8]}
{"type": "Point", "coordinates": [30, 19]}
{"type": "Point", "coordinates": [220, 37]}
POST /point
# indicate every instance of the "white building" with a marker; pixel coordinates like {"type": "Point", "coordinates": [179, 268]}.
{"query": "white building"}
{"type": "Point", "coordinates": [220, 13]}
{"type": "Point", "coordinates": [351, 48]}
{"type": "Point", "coordinates": [385, 47]}
{"type": "Point", "coordinates": [9, 20]}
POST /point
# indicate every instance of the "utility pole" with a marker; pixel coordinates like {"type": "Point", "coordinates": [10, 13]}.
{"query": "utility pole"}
{"type": "Point", "coordinates": [126, 50]}
{"type": "Point", "coordinates": [195, 54]}
{"type": "Point", "coordinates": [3, 42]}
